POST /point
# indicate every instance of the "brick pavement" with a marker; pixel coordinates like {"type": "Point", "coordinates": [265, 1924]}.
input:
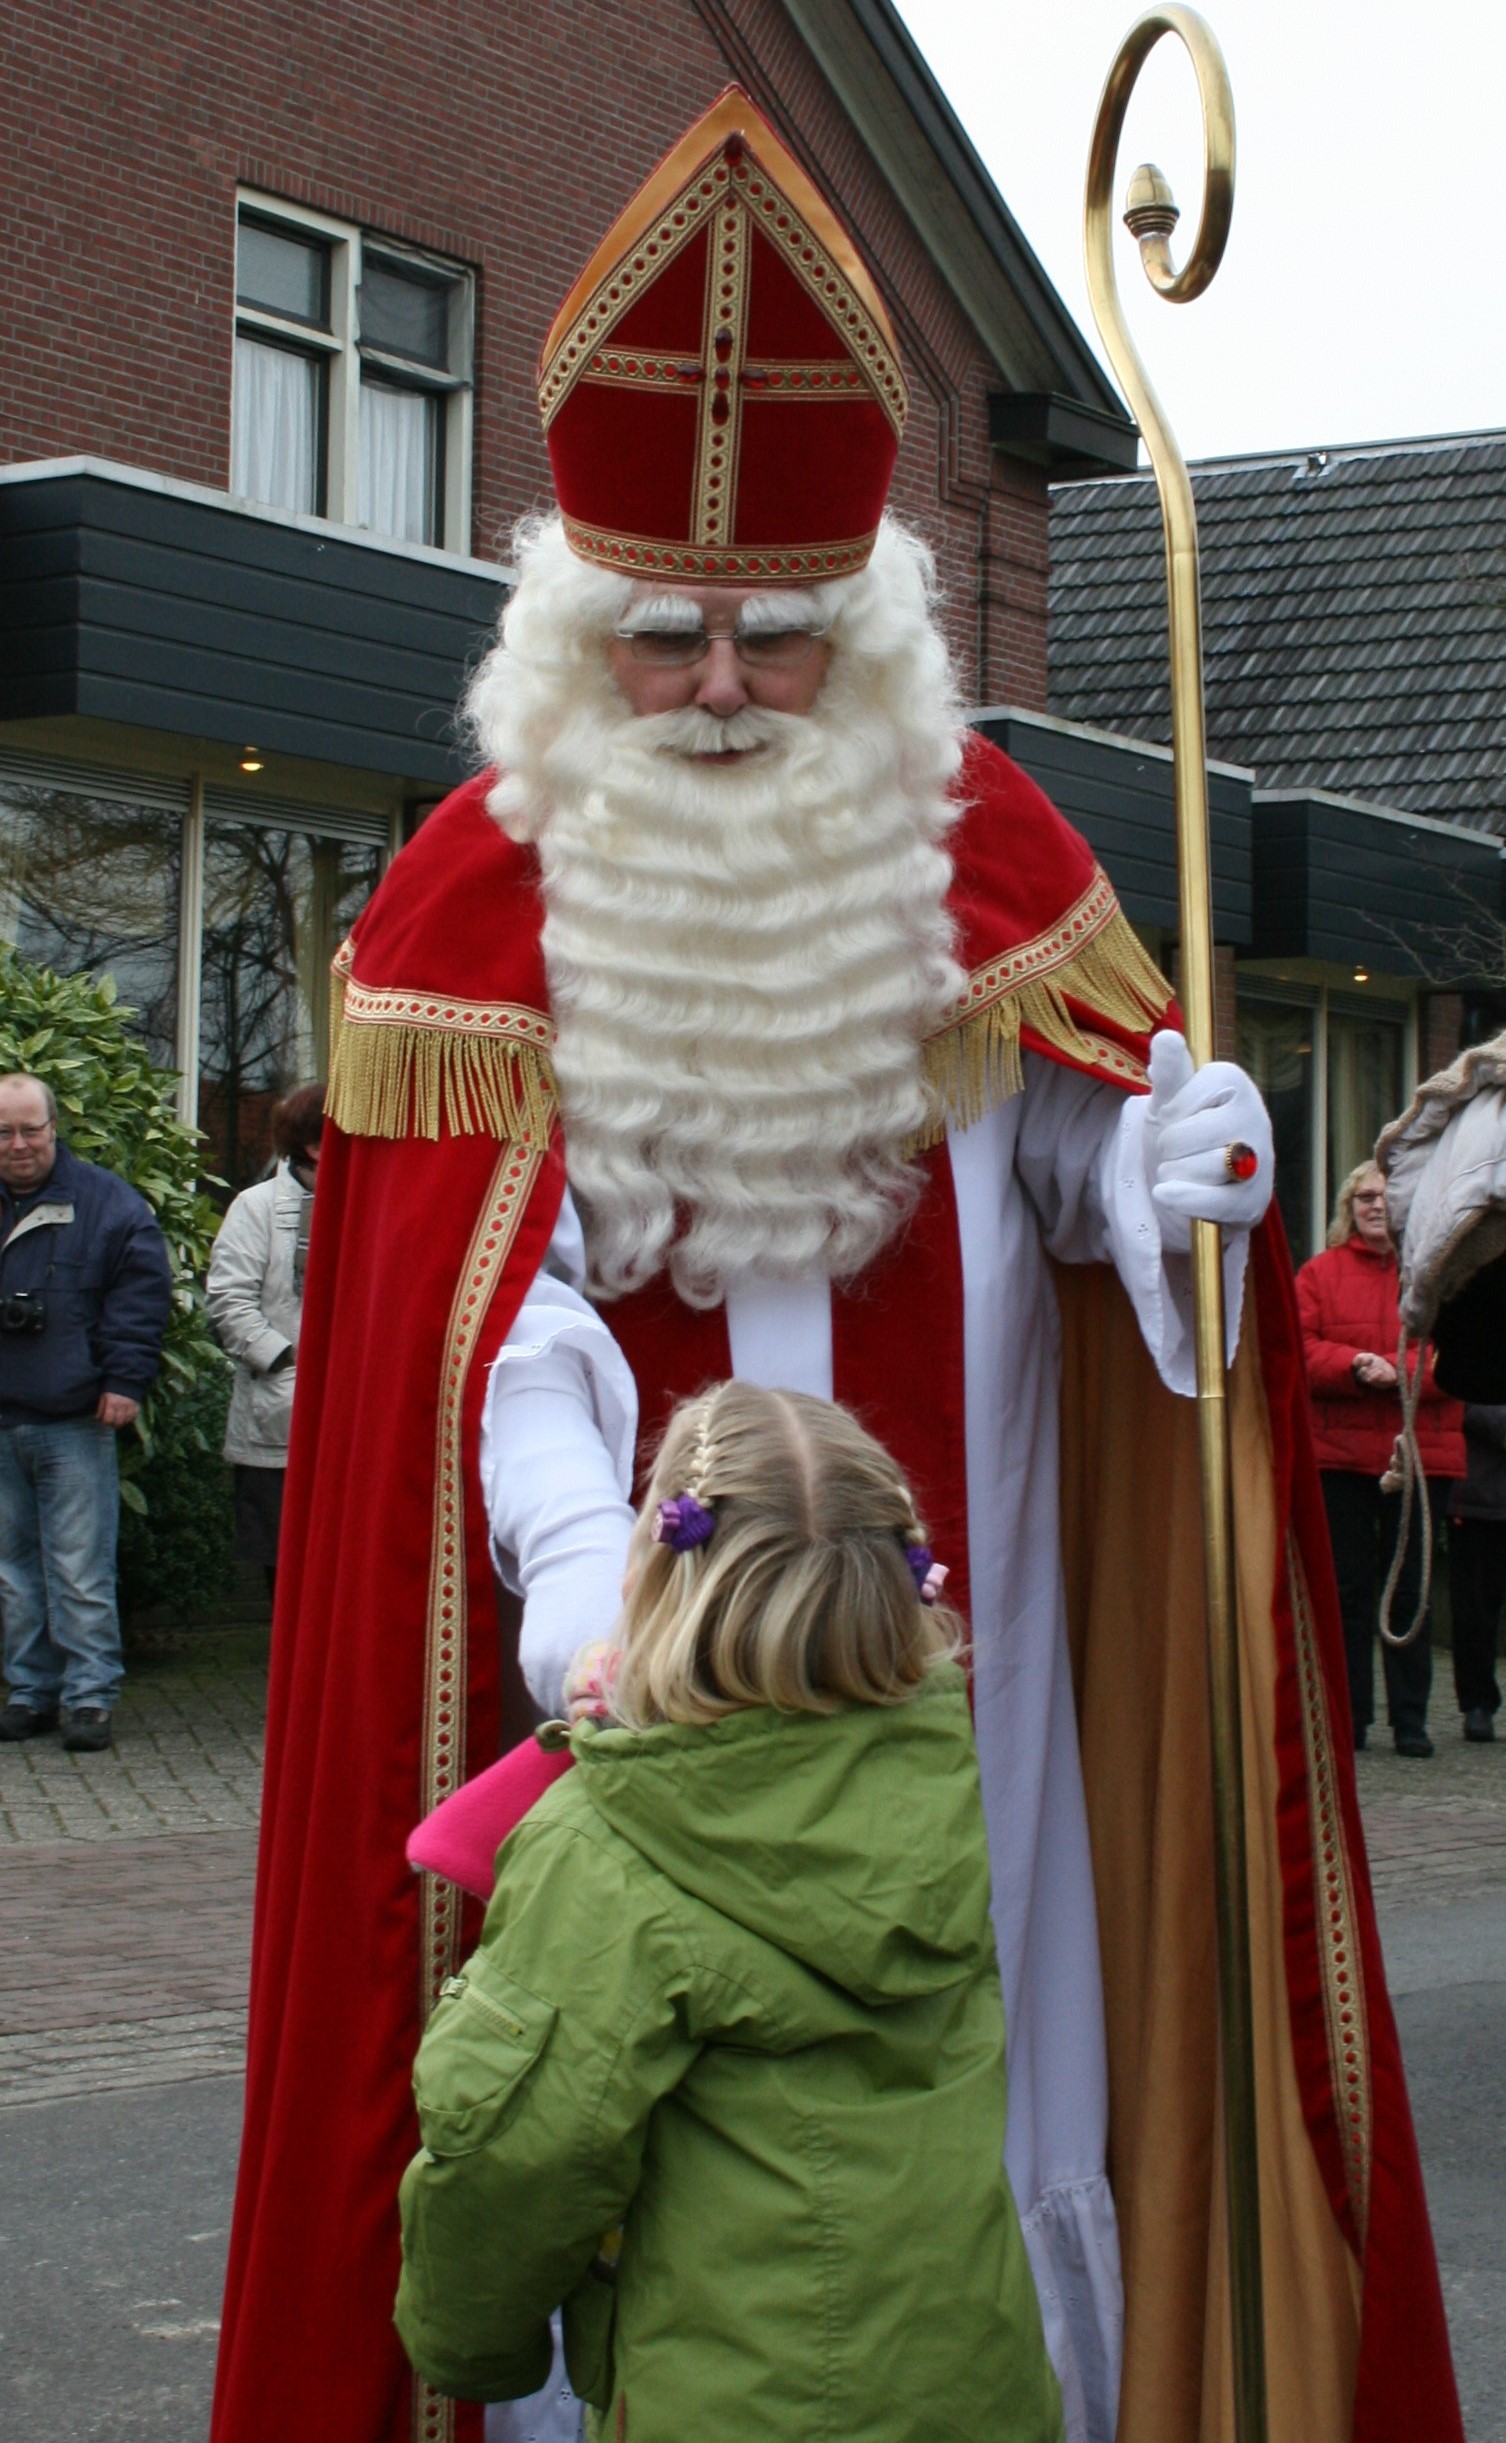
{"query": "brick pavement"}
{"type": "Point", "coordinates": [1435, 1828]}
{"type": "Point", "coordinates": [126, 1882]}
{"type": "Point", "coordinates": [187, 1757]}
{"type": "Point", "coordinates": [126, 1879]}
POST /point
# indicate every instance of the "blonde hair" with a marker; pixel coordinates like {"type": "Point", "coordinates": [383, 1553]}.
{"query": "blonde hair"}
{"type": "Point", "coordinates": [803, 1598]}
{"type": "Point", "coordinates": [1341, 1228]}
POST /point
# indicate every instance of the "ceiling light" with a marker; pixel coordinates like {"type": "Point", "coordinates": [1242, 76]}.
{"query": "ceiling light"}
{"type": "Point", "coordinates": [1362, 975]}
{"type": "Point", "coordinates": [250, 760]}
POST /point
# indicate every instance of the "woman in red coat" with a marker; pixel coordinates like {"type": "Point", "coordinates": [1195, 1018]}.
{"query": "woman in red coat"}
{"type": "Point", "coordinates": [1348, 1301]}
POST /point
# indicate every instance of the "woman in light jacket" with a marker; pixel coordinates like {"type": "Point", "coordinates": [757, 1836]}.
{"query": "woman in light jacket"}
{"type": "Point", "coordinates": [254, 1293]}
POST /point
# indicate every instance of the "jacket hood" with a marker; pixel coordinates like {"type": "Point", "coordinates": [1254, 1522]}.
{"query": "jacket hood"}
{"type": "Point", "coordinates": [852, 1841]}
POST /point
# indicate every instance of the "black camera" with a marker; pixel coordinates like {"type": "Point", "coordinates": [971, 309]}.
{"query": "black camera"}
{"type": "Point", "coordinates": [22, 1310]}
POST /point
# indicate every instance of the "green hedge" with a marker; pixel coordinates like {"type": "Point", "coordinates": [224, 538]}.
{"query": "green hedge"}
{"type": "Point", "coordinates": [117, 1108]}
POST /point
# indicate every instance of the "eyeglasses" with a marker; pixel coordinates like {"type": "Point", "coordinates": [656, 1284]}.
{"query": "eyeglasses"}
{"type": "Point", "coordinates": [756, 648]}
{"type": "Point", "coordinates": [31, 1132]}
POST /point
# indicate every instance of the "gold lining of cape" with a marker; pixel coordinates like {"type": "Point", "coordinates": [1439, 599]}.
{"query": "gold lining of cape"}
{"type": "Point", "coordinates": [414, 1064]}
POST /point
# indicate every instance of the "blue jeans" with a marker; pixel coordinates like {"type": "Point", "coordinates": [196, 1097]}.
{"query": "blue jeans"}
{"type": "Point", "coordinates": [59, 1515]}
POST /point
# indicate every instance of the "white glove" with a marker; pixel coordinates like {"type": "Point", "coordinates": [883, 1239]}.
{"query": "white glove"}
{"type": "Point", "coordinates": [1194, 1116]}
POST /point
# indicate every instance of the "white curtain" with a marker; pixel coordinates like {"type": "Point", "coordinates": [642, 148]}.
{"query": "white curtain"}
{"type": "Point", "coordinates": [398, 430]}
{"type": "Point", "coordinates": [275, 452]}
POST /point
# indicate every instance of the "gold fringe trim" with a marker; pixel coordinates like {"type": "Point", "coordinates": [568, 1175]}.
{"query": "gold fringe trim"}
{"type": "Point", "coordinates": [406, 1064]}
{"type": "Point", "coordinates": [395, 1081]}
{"type": "Point", "coordinates": [1094, 959]}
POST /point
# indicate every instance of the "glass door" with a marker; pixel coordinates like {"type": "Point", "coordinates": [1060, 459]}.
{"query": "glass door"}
{"type": "Point", "coordinates": [1275, 1041]}
{"type": "Point", "coordinates": [277, 904]}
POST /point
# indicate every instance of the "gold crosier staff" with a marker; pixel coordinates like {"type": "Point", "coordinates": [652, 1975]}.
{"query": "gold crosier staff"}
{"type": "Point", "coordinates": [1151, 215]}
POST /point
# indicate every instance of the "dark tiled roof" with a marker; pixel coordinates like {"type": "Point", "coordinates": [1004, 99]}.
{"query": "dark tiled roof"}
{"type": "Point", "coordinates": [1354, 619]}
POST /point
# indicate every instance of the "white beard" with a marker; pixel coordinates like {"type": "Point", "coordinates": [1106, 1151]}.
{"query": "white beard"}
{"type": "Point", "coordinates": [742, 965]}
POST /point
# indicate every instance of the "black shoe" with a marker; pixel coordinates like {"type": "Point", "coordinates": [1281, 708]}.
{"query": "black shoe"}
{"type": "Point", "coordinates": [1413, 1741]}
{"type": "Point", "coordinates": [1360, 1737]}
{"type": "Point", "coordinates": [1478, 1724]}
{"type": "Point", "coordinates": [88, 1729]}
{"type": "Point", "coordinates": [22, 1721]}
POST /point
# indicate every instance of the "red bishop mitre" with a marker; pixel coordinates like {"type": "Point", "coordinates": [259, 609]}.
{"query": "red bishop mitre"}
{"type": "Point", "coordinates": [721, 390]}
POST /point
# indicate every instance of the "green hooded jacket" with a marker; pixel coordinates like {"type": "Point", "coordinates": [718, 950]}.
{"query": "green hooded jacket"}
{"type": "Point", "coordinates": [737, 1995]}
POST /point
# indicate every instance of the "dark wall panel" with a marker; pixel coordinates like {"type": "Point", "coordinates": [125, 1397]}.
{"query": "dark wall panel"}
{"type": "Point", "coordinates": [127, 604]}
{"type": "Point", "coordinates": [1121, 800]}
{"type": "Point", "coordinates": [1343, 884]}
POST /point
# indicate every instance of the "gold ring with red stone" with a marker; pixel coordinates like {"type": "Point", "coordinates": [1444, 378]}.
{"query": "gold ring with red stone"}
{"type": "Point", "coordinates": [1241, 1161]}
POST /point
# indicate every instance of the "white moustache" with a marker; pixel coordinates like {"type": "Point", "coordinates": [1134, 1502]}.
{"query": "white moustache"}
{"type": "Point", "coordinates": [693, 731]}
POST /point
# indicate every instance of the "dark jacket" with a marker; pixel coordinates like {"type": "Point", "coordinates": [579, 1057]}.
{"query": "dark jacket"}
{"type": "Point", "coordinates": [101, 1267]}
{"type": "Point", "coordinates": [1348, 1301]}
{"type": "Point", "coordinates": [1483, 1492]}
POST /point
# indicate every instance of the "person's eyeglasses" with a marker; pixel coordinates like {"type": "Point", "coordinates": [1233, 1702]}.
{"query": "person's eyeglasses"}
{"type": "Point", "coordinates": [31, 1132]}
{"type": "Point", "coordinates": [756, 648]}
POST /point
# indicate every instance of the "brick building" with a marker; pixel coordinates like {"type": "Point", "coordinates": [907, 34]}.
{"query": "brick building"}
{"type": "Point", "coordinates": [276, 280]}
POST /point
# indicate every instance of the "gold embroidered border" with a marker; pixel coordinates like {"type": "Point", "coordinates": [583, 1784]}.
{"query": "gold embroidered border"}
{"type": "Point", "coordinates": [433, 2415]}
{"type": "Point", "coordinates": [610, 299]}
{"type": "Point", "coordinates": [364, 1006]}
{"type": "Point", "coordinates": [623, 369]}
{"type": "Point", "coordinates": [732, 125]}
{"type": "Point", "coordinates": [1337, 1937]}
{"type": "Point", "coordinates": [817, 378]}
{"type": "Point", "coordinates": [408, 1063]}
{"type": "Point", "coordinates": [814, 265]}
{"type": "Point", "coordinates": [1092, 958]}
{"type": "Point", "coordinates": [821, 276]}
{"type": "Point", "coordinates": [443, 1751]}
{"type": "Point", "coordinates": [765, 564]}
{"type": "Point", "coordinates": [726, 316]}
{"type": "Point", "coordinates": [1087, 916]}
{"type": "Point", "coordinates": [813, 378]}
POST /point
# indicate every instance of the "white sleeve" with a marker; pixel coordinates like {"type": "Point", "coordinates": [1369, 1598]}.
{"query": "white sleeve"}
{"type": "Point", "coordinates": [558, 1429]}
{"type": "Point", "coordinates": [1081, 1155]}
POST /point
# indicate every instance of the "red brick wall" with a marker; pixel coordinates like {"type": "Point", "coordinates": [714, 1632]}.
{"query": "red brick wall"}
{"type": "Point", "coordinates": [1441, 1031]}
{"type": "Point", "coordinates": [506, 137]}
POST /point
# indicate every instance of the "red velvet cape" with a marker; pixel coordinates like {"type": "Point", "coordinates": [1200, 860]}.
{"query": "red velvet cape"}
{"type": "Point", "coordinates": [439, 1186]}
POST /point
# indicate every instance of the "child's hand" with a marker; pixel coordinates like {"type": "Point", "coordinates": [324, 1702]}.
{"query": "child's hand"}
{"type": "Point", "coordinates": [588, 1682]}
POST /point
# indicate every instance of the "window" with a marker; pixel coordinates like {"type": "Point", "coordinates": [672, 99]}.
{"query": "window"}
{"type": "Point", "coordinates": [89, 883]}
{"type": "Point", "coordinates": [1364, 1084]}
{"type": "Point", "coordinates": [352, 377]}
{"type": "Point", "coordinates": [1333, 1071]}
{"type": "Point", "coordinates": [278, 899]}
{"type": "Point", "coordinates": [1275, 1045]}
{"type": "Point", "coordinates": [214, 911]}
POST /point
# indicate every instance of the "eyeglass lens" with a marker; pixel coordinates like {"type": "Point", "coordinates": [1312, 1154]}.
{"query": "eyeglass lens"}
{"type": "Point", "coordinates": [757, 648]}
{"type": "Point", "coordinates": [32, 1130]}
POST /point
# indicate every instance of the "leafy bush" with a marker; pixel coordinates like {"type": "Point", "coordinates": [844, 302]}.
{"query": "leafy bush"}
{"type": "Point", "coordinates": [116, 1108]}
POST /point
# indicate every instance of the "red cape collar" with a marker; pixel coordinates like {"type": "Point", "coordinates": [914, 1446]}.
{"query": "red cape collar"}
{"type": "Point", "coordinates": [447, 963]}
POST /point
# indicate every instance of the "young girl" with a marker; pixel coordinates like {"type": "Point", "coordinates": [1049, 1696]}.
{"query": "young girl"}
{"type": "Point", "coordinates": [737, 1998]}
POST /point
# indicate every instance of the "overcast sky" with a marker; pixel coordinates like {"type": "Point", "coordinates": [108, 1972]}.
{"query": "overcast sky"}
{"type": "Point", "coordinates": [1361, 297]}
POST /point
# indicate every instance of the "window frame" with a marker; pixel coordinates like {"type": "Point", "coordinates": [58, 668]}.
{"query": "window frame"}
{"type": "Point", "coordinates": [341, 350]}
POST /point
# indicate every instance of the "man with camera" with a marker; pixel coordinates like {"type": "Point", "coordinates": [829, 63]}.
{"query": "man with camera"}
{"type": "Point", "coordinates": [85, 1295]}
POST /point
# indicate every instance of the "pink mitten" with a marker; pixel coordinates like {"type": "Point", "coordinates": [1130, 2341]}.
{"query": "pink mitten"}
{"type": "Point", "coordinates": [462, 1836]}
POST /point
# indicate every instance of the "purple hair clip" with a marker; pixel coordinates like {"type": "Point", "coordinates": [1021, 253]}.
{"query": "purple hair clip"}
{"type": "Point", "coordinates": [683, 1523]}
{"type": "Point", "coordinates": [930, 1575]}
